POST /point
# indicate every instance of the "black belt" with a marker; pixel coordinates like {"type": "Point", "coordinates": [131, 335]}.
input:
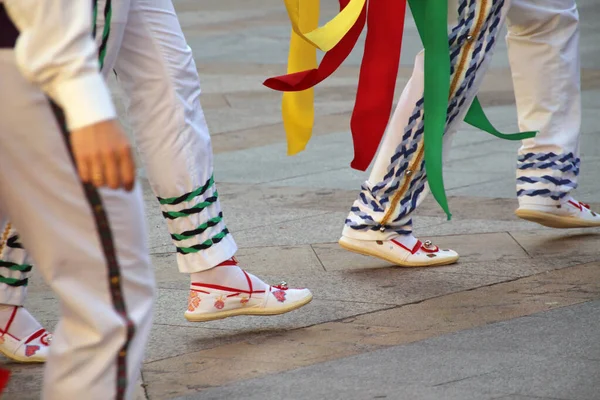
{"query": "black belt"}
{"type": "Point", "coordinates": [8, 31]}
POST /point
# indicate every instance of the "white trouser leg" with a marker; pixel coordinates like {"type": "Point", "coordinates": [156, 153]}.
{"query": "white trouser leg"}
{"type": "Point", "coordinates": [91, 251]}
{"type": "Point", "coordinates": [15, 263]}
{"type": "Point", "coordinates": [397, 184]}
{"type": "Point", "coordinates": [543, 48]}
{"type": "Point", "coordinates": [157, 72]}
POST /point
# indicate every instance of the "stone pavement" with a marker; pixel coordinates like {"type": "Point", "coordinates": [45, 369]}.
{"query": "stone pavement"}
{"type": "Point", "coordinates": [480, 329]}
{"type": "Point", "coordinates": [548, 356]}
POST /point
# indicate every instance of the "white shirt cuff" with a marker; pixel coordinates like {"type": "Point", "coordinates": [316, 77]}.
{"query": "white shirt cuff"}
{"type": "Point", "coordinates": [85, 101]}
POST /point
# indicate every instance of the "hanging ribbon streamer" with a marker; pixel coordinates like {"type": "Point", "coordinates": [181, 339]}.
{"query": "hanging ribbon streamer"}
{"type": "Point", "coordinates": [4, 378]}
{"type": "Point", "coordinates": [297, 108]}
{"type": "Point", "coordinates": [328, 36]}
{"type": "Point", "coordinates": [377, 79]}
{"type": "Point", "coordinates": [331, 60]}
{"type": "Point", "coordinates": [379, 67]}
{"type": "Point", "coordinates": [476, 117]}
{"type": "Point", "coordinates": [434, 36]}
{"type": "Point", "coordinates": [436, 89]}
{"type": "Point", "coordinates": [297, 103]}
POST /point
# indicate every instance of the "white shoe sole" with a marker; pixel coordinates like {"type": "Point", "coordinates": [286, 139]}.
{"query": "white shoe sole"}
{"type": "Point", "coordinates": [248, 311]}
{"type": "Point", "coordinates": [22, 360]}
{"type": "Point", "coordinates": [555, 221]}
{"type": "Point", "coordinates": [354, 246]}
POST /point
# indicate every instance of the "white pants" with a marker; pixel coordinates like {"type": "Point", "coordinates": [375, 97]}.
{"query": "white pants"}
{"type": "Point", "coordinates": [154, 65]}
{"type": "Point", "coordinates": [89, 246]}
{"type": "Point", "coordinates": [543, 49]}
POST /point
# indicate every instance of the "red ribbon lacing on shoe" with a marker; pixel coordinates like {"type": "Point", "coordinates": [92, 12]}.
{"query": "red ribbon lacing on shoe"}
{"type": "Point", "coordinates": [579, 205]}
{"type": "Point", "coordinates": [415, 248]}
{"type": "Point", "coordinates": [427, 248]}
{"type": "Point", "coordinates": [231, 262]}
{"type": "Point", "coordinates": [10, 321]}
{"type": "Point", "coordinates": [35, 335]}
{"type": "Point", "coordinates": [46, 336]}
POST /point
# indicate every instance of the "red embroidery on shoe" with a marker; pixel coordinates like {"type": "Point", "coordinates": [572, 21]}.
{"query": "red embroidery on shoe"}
{"type": "Point", "coordinates": [220, 303]}
{"type": "Point", "coordinates": [35, 335]}
{"type": "Point", "coordinates": [279, 295]}
{"type": "Point", "coordinates": [433, 249]}
{"type": "Point", "coordinates": [45, 340]}
{"type": "Point", "coordinates": [579, 205]}
{"type": "Point", "coordinates": [244, 300]}
{"type": "Point", "coordinates": [193, 301]}
{"type": "Point", "coordinates": [414, 249]}
{"type": "Point", "coordinates": [31, 350]}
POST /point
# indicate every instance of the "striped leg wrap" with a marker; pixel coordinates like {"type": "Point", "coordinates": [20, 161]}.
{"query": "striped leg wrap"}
{"type": "Point", "coordinates": [195, 219]}
{"type": "Point", "coordinates": [15, 267]}
{"type": "Point", "coordinates": [547, 175]}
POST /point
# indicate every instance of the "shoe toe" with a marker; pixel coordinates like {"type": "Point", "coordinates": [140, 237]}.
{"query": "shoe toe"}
{"type": "Point", "coordinates": [28, 350]}
{"type": "Point", "coordinates": [279, 297]}
{"type": "Point", "coordinates": [299, 294]}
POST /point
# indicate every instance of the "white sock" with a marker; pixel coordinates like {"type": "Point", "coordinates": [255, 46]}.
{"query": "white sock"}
{"type": "Point", "coordinates": [408, 241]}
{"type": "Point", "coordinates": [23, 324]}
{"type": "Point", "coordinates": [229, 274]}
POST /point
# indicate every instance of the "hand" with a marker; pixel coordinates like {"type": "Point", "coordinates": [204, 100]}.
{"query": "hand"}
{"type": "Point", "coordinates": [103, 155]}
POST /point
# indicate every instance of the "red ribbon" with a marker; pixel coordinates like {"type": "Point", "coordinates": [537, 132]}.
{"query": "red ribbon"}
{"type": "Point", "coordinates": [4, 377]}
{"type": "Point", "coordinates": [377, 80]}
{"type": "Point", "coordinates": [303, 80]}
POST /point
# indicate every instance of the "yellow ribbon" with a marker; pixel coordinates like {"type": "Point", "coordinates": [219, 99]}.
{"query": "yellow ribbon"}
{"type": "Point", "coordinates": [297, 108]}
{"type": "Point", "coordinates": [326, 37]}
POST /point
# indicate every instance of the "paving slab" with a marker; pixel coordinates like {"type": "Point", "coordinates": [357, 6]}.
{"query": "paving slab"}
{"type": "Point", "coordinates": [409, 323]}
{"type": "Point", "coordinates": [438, 369]}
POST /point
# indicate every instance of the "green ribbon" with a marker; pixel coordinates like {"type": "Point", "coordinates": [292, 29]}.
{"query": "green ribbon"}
{"type": "Point", "coordinates": [431, 18]}
{"type": "Point", "coordinates": [105, 31]}
{"type": "Point", "coordinates": [476, 117]}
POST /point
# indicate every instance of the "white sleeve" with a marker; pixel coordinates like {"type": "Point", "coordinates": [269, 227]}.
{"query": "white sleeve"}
{"type": "Point", "coordinates": [55, 51]}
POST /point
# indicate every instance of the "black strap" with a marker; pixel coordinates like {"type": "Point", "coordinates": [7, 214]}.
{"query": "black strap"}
{"type": "Point", "coordinates": [8, 31]}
